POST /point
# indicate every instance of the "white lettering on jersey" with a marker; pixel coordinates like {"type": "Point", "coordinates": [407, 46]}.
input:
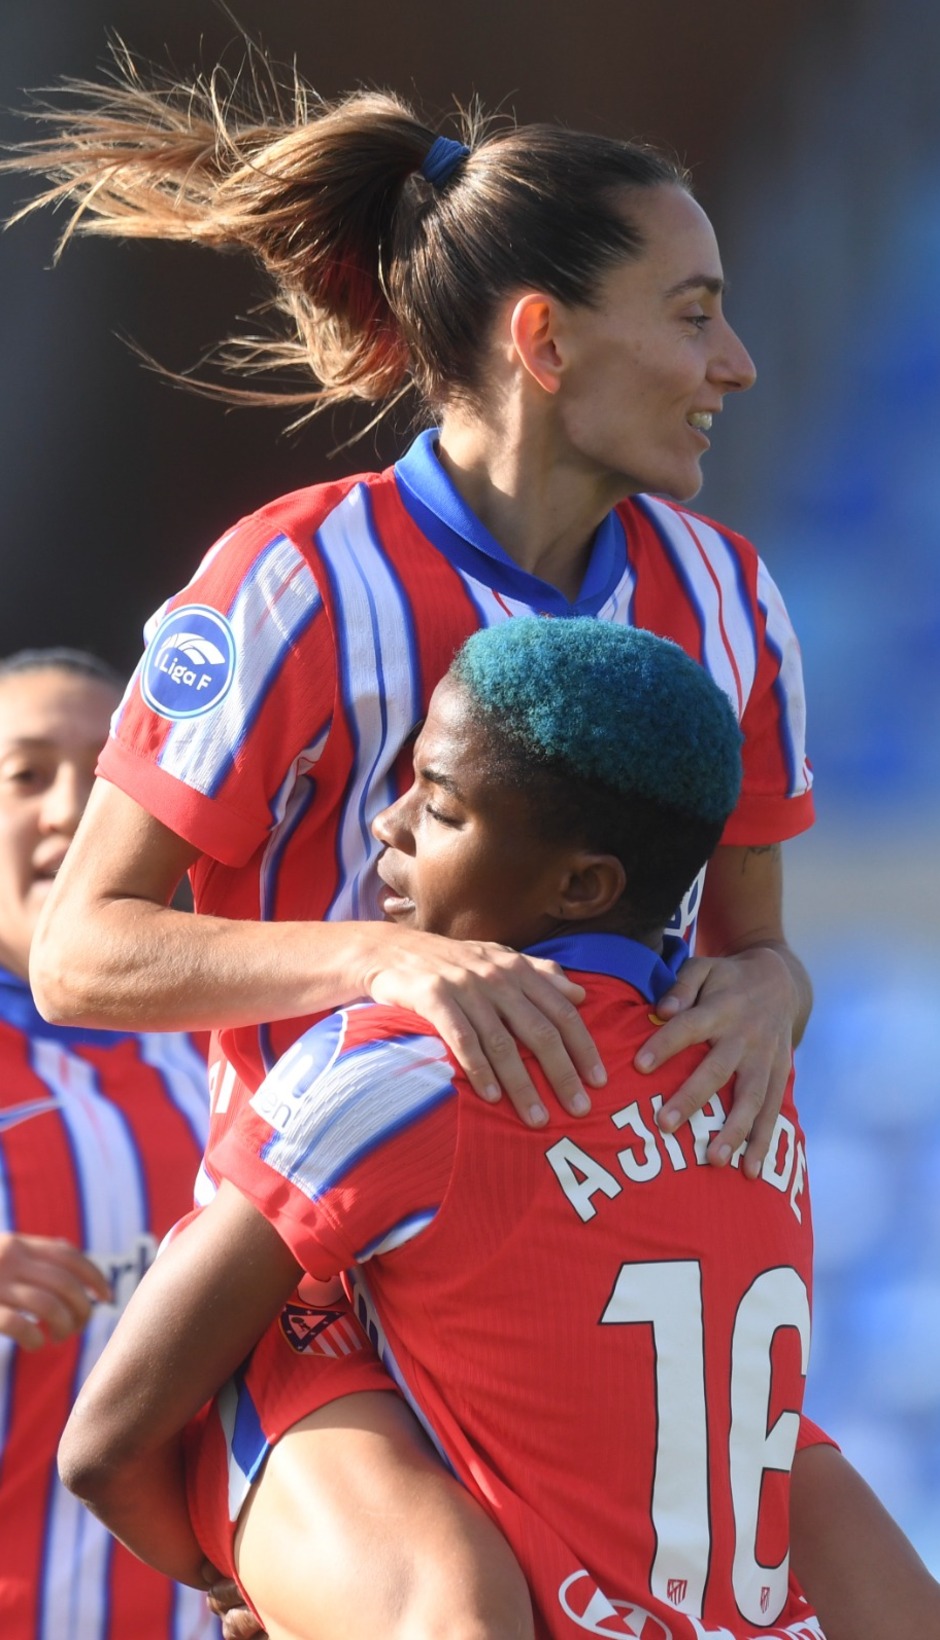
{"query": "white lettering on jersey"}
{"type": "Point", "coordinates": [582, 1176]}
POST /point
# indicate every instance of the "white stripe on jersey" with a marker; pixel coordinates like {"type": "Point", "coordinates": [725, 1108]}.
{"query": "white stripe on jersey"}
{"type": "Point", "coordinates": [7, 1346]}
{"type": "Point", "coordinates": [183, 1072]}
{"type": "Point", "coordinates": [276, 601]}
{"type": "Point", "coordinates": [379, 688]}
{"type": "Point", "coordinates": [617, 607]}
{"type": "Point", "coordinates": [724, 613]}
{"type": "Point", "coordinates": [321, 1134]}
{"type": "Point", "coordinates": [399, 1234]}
{"type": "Point", "coordinates": [790, 696]}
{"type": "Point", "coordinates": [239, 1484]}
{"type": "Point", "coordinates": [114, 1219]}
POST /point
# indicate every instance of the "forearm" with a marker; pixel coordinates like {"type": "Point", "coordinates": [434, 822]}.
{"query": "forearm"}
{"type": "Point", "coordinates": [134, 964]}
{"type": "Point", "coordinates": [742, 911]}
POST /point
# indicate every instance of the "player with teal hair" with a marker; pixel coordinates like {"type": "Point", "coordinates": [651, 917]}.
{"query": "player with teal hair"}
{"type": "Point", "coordinates": [589, 1320]}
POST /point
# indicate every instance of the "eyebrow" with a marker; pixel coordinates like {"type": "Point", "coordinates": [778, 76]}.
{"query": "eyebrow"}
{"type": "Point", "coordinates": [700, 281]}
{"type": "Point", "coordinates": [435, 778]}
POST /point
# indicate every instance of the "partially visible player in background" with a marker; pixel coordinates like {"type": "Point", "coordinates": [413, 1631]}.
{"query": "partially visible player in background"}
{"type": "Point", "coordinates": [100, 1138]}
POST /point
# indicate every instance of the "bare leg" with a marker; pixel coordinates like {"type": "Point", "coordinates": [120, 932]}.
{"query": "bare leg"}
{"type": "Point", "coordinates": [853, 1562]}
{"type": "Point", "coordinates": [354, 1531]}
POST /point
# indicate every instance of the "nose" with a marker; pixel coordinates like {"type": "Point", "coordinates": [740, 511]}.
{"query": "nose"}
{"type": "Point", "coordinates": [733, 368]}
{"type": "Point", "coordinates": [392, 826]}
{"type": "Point", "coordinates": [64, 800]}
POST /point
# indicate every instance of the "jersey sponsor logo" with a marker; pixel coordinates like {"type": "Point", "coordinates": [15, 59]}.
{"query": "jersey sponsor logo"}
{"type": "Point", "coordinates": [125, 1271]}
{"type": "Point", "coordinates": [589, 1608]}
{"type": "Point", "coordinates": [190, 663]}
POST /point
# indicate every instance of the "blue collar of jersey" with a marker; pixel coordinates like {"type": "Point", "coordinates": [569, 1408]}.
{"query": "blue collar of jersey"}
{"type": "Point", "coordinates": [649, 972]}
{"type": "Point", "coordinates": [18, 1009]}
{"type": "Point", "coordinates": [444, 517]}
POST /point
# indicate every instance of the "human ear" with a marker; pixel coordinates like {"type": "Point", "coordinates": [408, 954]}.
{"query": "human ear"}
{"type": "Point", "coordinates": [591, 887]}
{"type": "Point", "coordinates": [532, 327]}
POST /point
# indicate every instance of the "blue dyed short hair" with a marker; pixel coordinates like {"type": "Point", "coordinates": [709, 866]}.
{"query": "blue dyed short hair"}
{"type": "Point", "coordinates": [617, 704]}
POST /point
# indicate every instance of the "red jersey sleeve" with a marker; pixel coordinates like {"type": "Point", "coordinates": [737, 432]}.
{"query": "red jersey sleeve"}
{"type": "Point", "coordinates": [811, 1435]}
{"type": "Point", "coordinates": [776, 799]}
{"type": "Point", "coordinates": [235, 690]}
{"type": "Point", "coordinates": [347, 1147]}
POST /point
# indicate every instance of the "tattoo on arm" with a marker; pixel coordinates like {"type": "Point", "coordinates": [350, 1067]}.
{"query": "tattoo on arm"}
{"type": "Point", "coordinates": [772, 849]}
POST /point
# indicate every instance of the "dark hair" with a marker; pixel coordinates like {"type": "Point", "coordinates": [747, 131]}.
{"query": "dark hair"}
{"type": "Point", "coordinates": [389, 279]}
{"type": "Point", "coordinates": [77, 661]}
{"type": "Point", "coordinates": [617, 739]}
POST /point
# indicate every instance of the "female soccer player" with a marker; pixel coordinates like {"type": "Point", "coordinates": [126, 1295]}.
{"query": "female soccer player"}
{"type": "Point", "coordinates": [570, 780]}
{"type": "Point", "coordinates": [556, 301]}
{"type": "Point", "coordinates": [100, 1132]}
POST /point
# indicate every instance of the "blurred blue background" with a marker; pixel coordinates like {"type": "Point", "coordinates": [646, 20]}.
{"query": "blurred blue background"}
{"type": "Point", "coordinates": [814, 138]}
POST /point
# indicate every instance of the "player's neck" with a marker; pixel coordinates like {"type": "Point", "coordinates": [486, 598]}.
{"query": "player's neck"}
{"type": "Point", "coordinates": [535, 500]}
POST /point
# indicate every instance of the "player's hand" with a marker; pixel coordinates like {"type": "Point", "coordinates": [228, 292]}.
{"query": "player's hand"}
{"type": "Point", "coordinates": [228, 1603]}
{"type": "Point", "coordinates": [47, 1289]}
{"type": "Point", "coordinates": [484, 1000]}
{"type": "Point", "coordinates": [744, 1007]}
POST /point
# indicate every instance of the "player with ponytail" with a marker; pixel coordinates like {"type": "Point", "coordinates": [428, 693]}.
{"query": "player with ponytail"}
{"type": "Point", "coordinates": [554, 301]}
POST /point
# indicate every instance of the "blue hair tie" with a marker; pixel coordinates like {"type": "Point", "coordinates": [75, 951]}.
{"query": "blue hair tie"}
{"type": "Point", "coordinates": [442, 159]}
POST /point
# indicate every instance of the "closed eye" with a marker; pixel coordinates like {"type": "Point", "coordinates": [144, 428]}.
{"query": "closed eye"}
{"type": "Point", "coordinates": [440, 817]}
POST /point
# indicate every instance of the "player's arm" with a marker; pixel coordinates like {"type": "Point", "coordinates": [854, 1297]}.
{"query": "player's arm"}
{"type": "Point", "coordinates": [47, 1289]}
{"type": "Point", "coordinates": [746, 994]}
{"type": "Point", "coordinates": [193, 1319]}
{"type": "Point", "coordinates": [111, 951]}
{"type": "Point", "coordinates": [853, 1562]}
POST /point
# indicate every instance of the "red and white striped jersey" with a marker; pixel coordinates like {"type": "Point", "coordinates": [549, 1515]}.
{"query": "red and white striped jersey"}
{"type": "Point", "coordinates": [607, 1337]}
{"type": "Point", "coordinates": [100, 1137]}
{"type": "Point", "coordinates": [271, 716]}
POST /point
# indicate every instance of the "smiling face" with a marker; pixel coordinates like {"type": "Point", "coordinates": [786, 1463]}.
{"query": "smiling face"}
{"type": "Point", "coordinates": [644, 369]}
{"type": "Point", "coordinates": [53, 724]}
{"type": "Point", "coordinates": [461, 857]}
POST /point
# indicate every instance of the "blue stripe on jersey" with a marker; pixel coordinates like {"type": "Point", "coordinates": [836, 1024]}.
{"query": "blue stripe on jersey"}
{"type": "Point", "coordinates": [377, 664]}
{"type": "Point", "coordinates": [711, 574]}
{"type": "Point", "coordinates": [9, 1353]}
{"type": "Point", "coordinates": [368, 784]}
{"type": "Point", "coordinates": [398, 1234]}
{"type": "Point", "coordinates": [262, 569]}
{"type": "Point", "coordinates": [781, 696]}
{"type": "Point", "coordinates": [183, 1075]}
{"type": "Point", "coordinates": [249, 1445]}
{"type": "Point", "coordinates": [298, 806]}
{"type": "Point", "coordinates": [674, 558]}
{"type": "Point", "coordinates": [320, 1138]}
{"type": "Point", "coordinates": [441, 514]}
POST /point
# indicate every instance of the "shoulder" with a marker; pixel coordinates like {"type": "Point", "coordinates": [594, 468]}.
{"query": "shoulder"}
{"type": "Point", "coordinates": [355, 1079]}
{"type": "Point", "coordinates": [359, 1044]}
{"type": "Point", "coordinates": [682, 529]}
{"type": "Point", "coordinates": [301, 513]}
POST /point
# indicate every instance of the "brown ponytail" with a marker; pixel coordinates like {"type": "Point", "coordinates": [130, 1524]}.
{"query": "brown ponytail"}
{"type": "Point", "coordinates": [386, 277]}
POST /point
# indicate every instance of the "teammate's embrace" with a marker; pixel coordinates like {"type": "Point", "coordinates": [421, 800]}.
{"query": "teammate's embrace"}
{"type": "Point", "coordinates": [607, 1337]}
